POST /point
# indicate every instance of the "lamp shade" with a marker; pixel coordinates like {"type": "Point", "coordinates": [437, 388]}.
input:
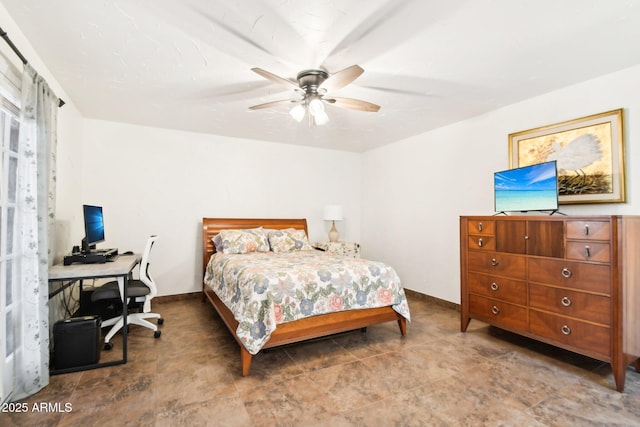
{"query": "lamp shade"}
{"type": "Point", "coordinates": [315, 106]}
{"type": "Point", "coordinates": [298, 112]}
{"type": "Point", "coordinates": [320, 118]}
{"type": "Point", "coordinates": [333, 213]}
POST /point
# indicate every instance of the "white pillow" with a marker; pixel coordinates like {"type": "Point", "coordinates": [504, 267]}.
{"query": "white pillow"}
{"type": "Point", "coordinates": [244, 241]}
{"type": "Point", "coordinates": [288, 240]}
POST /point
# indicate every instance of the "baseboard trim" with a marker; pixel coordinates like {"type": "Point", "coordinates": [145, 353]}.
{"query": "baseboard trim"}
{"type": "Point", "coordinates": [178, 297]}
{"type": "Point", "coordinates": [433, 300]}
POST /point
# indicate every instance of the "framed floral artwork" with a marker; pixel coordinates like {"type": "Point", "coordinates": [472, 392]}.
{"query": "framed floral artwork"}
{"type": "Point", "coordinates": [589, 152]}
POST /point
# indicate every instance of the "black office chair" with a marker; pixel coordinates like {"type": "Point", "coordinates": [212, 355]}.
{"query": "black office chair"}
{"type": "Point", "coordinates": [140, 292]}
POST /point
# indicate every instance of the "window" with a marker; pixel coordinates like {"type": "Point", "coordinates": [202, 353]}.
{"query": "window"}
{"type": "Point", "coordinates": [9, 128]}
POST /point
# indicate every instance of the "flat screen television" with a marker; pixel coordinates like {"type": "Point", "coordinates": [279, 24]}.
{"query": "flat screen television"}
{"type": "Point", "coordinates": [93, 227]}
{"type": "Point", "coordinates": [529, 188]}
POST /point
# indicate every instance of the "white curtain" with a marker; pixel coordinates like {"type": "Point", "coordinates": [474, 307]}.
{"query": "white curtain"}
{"type": "Point", "coordinates": [35, 215]}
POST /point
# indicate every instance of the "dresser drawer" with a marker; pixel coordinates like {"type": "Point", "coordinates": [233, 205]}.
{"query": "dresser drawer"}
{"type": "Point", "coordinates": [487, 228]}
{"type": "Point", "coordinates": [594, 308]}
{"type": "Point", "coordinates": [571, 274]}
{"type": "Point", "coordinates": [487, 243]}
{"type": "Point", "coordinates": [588, 230]}
{"type": "Point", "coordinates": [589, 251]}
{"type": "Point", "coordinates": [581, 335]}
{"type": "Point", "coordinates": [508, 290]}
{"type": "Point", "coordinates": [497, 263]}
{"type": "Point", "coordinates": [498, 313]}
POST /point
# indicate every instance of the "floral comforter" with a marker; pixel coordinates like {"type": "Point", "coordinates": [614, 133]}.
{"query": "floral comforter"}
{"type": "Point", "coordinates": [264, 289]}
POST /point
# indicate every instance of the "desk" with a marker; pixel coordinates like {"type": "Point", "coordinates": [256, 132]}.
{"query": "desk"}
{"type": "Point", "coordinates": [121, 270]}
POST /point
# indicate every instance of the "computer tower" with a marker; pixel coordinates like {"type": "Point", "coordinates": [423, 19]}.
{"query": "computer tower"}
{"type": "Point", "coordinates": [76, 342]}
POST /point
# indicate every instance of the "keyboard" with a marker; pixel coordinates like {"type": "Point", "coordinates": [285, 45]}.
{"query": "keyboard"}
{"type": "Point", "coordinates": [105, 252]}
{"type": "Point", "coordinates": [109, 254]}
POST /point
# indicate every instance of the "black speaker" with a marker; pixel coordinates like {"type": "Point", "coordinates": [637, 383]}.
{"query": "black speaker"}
{"type": "Point", "coordinates": [76, 342]}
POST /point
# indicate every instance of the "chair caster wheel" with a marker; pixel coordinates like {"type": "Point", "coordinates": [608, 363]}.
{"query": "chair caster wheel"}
{"type": "Point", "coordinates": [160, 321]}
{"type": "Point", "coordinates": [108, 345]}
{"type": "Point", "coordinates": [156, 334]}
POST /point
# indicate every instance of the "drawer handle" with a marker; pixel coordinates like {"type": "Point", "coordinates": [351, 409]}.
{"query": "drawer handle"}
{"type": "Point", "coordinates": [566, 273]}
{"type": "Point", "coordinates": [494, 286]}
{"type": "Point", "coordinates": [480, 226]}
{"type": "Point", "coordinates": [494, 262]}
{"type": "Point", "coordinates": [587, 252]}
{"type": "Point", "coordinates": [495, 310]}
{"type": "Point", "coordinates": [566, 301]}
{"type": "Point", "coordinates": [566, 330]}
{"type": "Point", "coordinates": [586, 229]}
{"type": "Point", "coordinates": [480, 242]}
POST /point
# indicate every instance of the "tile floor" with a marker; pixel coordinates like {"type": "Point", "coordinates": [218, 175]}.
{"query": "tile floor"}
{"type": "Point", "coordinates": [436, 376]}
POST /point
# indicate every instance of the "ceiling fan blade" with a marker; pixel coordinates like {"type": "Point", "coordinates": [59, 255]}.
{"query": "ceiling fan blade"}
{"type": "Point", "coordinates": [356, 104]}
{"type": "Point", "coordinates": [370, 24]}
{"type": "Point", "coordinates": [249, 30]}
{"type": "Point", "coordinates": [342, 78]}
{"type": "Point", "coordinates": [271, 104]}
{"type": "Point", "coordinates": [399, 91]}
{"type": "Point", "coordinates": [275, 79]}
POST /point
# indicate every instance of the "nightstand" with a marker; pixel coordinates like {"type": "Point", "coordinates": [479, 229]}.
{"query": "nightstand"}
{"type": "Point", "coordinates": [350, 249]}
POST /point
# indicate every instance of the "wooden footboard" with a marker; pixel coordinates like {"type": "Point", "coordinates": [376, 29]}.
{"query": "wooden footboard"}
{"type": "Point", "coordinates": [299, 330]}
{"type": "Point", "coordinates": [310, 327]}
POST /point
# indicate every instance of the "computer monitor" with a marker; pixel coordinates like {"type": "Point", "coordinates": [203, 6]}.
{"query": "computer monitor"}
{"type": "Point", "coordinates": [93, 227]}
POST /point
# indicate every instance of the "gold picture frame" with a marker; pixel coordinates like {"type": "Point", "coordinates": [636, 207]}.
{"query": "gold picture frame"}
{"type": "Point", "coordinates": [589, 152]}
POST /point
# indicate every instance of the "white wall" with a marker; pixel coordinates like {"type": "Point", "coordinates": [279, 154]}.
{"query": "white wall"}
{"type": "Point", "coordinates": [159, 181]}
{"type": "Point", "coordinates": [68, 190]}
{"type": "Point", "coordinates": [414, 191]}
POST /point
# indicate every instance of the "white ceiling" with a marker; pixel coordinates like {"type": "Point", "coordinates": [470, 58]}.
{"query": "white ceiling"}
{"type": "Point", "coordinates": [186, 64]}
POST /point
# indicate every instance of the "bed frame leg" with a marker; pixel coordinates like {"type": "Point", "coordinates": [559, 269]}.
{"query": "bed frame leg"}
{"type": "Point", "coordinates": [245, 357]}
{"type": "Point", "coordinates": [402, 323]}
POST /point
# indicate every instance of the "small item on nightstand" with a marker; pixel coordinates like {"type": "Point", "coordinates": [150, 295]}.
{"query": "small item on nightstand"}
{"type": "Point", "coordinates": [350, 249]}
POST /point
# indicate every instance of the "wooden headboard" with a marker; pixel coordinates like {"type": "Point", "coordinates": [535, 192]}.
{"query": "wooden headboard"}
{"type": "Point", "coordinates": [212, 226]}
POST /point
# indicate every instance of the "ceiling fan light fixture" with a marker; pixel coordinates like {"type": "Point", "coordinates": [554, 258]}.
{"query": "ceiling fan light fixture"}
{"type": "Point", "coordinates": [320, 118]}
{"type": "Point", "coordinates": [309, 94]}
{"type": "Point", "coordinates": [316, 111]}
{"type": "Point", "coordinates": [298, 112]}
{"type": "Point", "coordinates": [316, 107]}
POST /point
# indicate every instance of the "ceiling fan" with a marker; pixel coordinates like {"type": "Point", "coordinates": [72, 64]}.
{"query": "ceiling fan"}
{"type": "Point", "coordinates": [312, 88]}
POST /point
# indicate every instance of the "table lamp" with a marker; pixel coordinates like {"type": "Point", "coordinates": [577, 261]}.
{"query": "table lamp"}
{"type": "Point", "coordinates": [333, 213]}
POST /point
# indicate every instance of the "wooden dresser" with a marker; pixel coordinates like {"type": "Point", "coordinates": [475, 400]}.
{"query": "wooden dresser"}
{"type": "Point", "coordinates": [570, 281]}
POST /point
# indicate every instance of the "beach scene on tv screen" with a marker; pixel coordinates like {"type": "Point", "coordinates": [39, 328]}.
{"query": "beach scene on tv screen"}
{"type": "Point", "coordinates": [526, 189]}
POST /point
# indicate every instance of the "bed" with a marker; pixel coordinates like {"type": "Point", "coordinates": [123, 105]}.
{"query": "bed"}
{"type": "Point", "coordinates": [283, 331]}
